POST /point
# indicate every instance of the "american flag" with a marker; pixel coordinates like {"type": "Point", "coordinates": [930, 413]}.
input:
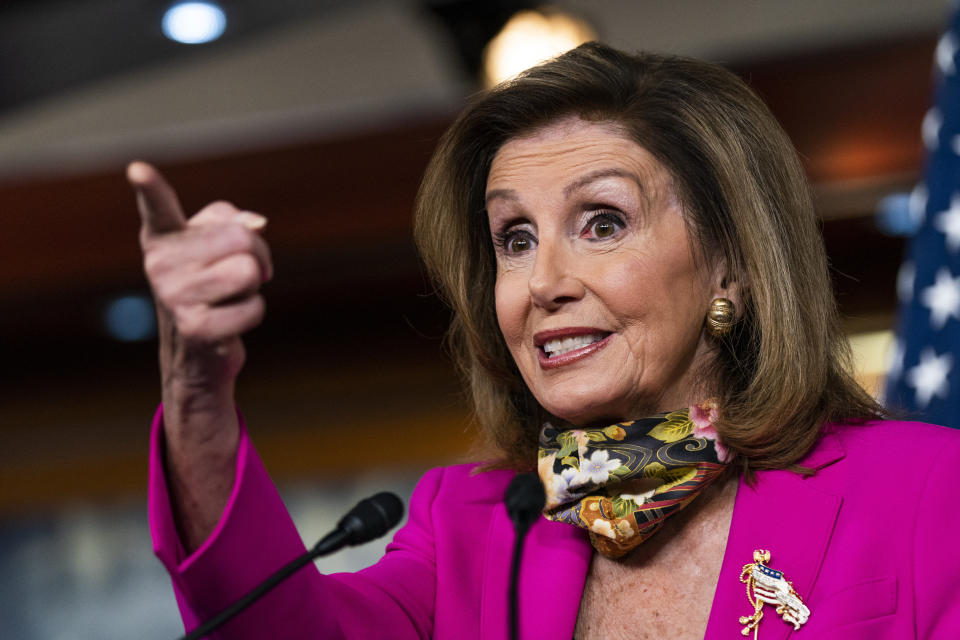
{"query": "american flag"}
{"type": "Point", "coordinates": [924, 375]}
{"type": "Point", "coordinates": [770, 586]}
{"type": "Point", "coordinates": [765, 584]}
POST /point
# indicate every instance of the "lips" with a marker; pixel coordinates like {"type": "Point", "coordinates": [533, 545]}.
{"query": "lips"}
{"type": "Point", "coordinates": [560, 347]}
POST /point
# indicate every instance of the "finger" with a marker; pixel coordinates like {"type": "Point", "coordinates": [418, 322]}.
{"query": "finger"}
{"type": "Point", "coordinates": [211, 324]}
{"type": "Point", "coordinates": [222, 212]}
{"type": "Point", "coordinates": [235, 277]}
{"type": "Point", "coordinates": [159, 207]}
{"type": "Point", "coordinates": [203, 246]}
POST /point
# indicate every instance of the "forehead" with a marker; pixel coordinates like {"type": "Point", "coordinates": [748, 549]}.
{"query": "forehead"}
{"type": "Point", "coordinates": [569, 148]}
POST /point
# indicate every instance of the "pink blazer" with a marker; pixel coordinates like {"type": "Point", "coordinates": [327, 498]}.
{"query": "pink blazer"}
{"type": "Point", "coordinates": [867, 541]}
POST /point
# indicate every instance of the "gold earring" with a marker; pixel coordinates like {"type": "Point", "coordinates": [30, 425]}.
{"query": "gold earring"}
{"type": "Point", "coordinates": [720, 317]}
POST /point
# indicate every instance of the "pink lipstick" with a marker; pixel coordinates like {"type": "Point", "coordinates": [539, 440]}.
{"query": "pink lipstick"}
{"type": "Point", "coordinates": [560, 347]}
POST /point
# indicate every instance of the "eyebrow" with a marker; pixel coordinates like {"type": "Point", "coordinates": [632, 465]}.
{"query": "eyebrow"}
{"type": "Point", "coordinates": [599, 174]}
{"type": "Point", "coordinates": [593, 176]}
{"type": "Point", "coordinates": [506, 194]}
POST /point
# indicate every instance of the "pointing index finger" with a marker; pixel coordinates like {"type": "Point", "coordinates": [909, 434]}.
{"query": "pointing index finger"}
{"type": "Point", "coordinates": [160, 210]}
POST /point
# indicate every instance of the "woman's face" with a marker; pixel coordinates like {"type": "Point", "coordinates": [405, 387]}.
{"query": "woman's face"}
{"type": "Point", "coordinates": [600, 296]}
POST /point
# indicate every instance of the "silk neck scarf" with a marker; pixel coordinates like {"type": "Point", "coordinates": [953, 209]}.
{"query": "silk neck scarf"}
{"type": "Point", "coordinates": [621, 482]}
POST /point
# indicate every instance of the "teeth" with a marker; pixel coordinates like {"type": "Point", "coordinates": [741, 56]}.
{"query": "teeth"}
{"type": "Point", "coordinates": [561, 346]}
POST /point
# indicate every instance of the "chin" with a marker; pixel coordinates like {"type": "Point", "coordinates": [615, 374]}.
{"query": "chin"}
{"type": "Point", "coordinates": [590, 408]}
{"type": "Point", "coordinates": [585, 415]}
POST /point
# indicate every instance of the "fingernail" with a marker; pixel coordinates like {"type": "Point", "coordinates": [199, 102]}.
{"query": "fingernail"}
{"type": "Point", "coordinates": [137, 172]}
{"type": "Point", "coordinates": [252, 221]}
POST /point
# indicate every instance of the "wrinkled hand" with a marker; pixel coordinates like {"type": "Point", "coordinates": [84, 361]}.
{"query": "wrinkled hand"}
{"type": "Point", "coordinates": [205, 274]}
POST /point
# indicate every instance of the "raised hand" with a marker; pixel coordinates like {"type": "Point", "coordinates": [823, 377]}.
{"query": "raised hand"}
{"type": "Point", "coordinates": [205, 273]}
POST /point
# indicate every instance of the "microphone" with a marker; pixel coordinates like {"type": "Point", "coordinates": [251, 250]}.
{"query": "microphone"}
{"type": "Point", "coordinates": [369, 519]}
{"type": "Point", "coordinates": [524, 500]}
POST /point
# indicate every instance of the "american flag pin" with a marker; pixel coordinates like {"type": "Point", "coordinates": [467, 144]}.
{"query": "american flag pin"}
{"type": "Point", "coordinates": [766, 585]}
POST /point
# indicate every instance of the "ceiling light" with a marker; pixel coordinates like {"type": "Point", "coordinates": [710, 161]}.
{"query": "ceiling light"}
{"type": "Point", "coordinates": [194, 22]}
{"type": "Point", "coordinates": [530, 37]}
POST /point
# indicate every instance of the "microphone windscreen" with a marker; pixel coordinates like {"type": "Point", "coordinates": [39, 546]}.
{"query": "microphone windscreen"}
{"type": "Point", "coordinates": [372, 517]}
{"type": "Point", "coordinates": [524, 499]}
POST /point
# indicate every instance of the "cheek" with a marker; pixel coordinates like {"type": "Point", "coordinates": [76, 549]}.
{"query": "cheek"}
{"type": "Point", "coordinates": [664, 292]}
{"type": "Point", "coordinates": [509, 310]}
{"type": "Point", "coordinates": [636, 287]}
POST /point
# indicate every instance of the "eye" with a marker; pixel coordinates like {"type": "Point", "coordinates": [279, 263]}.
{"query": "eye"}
{"type": "Point", "coordinates": [518, 244]}
{"type": "Point", "coordinates": [514, 241]}
{"type": "Point", "coordinates": [603, 226]}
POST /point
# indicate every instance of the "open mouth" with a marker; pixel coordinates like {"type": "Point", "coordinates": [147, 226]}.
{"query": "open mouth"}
{"type": "Point", "coordinates": [562, 346]}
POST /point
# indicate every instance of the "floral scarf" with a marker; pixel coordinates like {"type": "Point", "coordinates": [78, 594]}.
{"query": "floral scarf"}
{"type": "Point", "coordinates": [621, 482]}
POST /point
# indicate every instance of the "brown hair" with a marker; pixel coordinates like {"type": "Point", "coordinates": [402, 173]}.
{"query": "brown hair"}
{"type": "Point", "coordinates": [784, 370]}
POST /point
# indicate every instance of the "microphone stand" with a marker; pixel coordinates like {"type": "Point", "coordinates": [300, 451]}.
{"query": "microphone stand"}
{"type": "Point", "coordinates": [330, 543]}
{"type": "Point", "coordinates": [514, 580]}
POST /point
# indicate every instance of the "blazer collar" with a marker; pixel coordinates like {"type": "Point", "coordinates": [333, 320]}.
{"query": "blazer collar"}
{"type": "Point", "coordinates": [556, 557]}
{"type": "Point", "coordinates": [788, 515]}
{"type": "Point", "coordinates": [827, 450]}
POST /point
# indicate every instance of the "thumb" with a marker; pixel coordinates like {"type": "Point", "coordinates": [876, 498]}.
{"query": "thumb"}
{"type": "Point", "coordinates": [160, 210]}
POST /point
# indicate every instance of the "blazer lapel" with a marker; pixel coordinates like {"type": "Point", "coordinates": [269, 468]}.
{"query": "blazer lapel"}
{"type": "Point", "coordinates": [556, 557]}
{"type": "Point", "coordinates": [786, 515]}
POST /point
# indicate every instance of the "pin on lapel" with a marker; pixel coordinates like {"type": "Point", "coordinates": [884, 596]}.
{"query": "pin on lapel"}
{"type": "Point", "coordinates": [768, 586]}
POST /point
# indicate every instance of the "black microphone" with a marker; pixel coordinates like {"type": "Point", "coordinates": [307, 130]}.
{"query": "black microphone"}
{"type": "Point", "coordinates": [524, 501]}
{"type": "Point", "coordinates": [370, 519]}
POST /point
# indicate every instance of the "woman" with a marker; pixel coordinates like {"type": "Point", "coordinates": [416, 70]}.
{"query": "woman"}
{"type": "Point", "coordinates": [642, 310]}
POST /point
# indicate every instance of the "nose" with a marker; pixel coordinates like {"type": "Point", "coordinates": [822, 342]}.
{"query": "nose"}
{"type": "Point", "coordinates": [554, 280]}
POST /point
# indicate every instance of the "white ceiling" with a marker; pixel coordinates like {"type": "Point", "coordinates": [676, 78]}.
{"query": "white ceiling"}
{"type": "Point", "coordinates": [379, 62]}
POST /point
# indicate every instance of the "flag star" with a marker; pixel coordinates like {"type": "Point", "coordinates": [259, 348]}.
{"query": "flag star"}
{"type": "Point", "coordinates": [930, 129]}
{"type": "Point", "coordinates": [943, 298]}
{"type": "Point", "coordinates": [955, 143]}
{"type": "Point", "coordinates": [905, 279]}
{"type": "Point", "coordinates": [948, 222]}
{"type": "Point", "coordinates": [946, 51]}
{"type": "Point", "coordinates": [929, 377]}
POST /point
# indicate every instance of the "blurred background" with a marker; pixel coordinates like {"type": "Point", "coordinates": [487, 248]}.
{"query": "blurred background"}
{"type": "Point", "coordinates": [322, 115]}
